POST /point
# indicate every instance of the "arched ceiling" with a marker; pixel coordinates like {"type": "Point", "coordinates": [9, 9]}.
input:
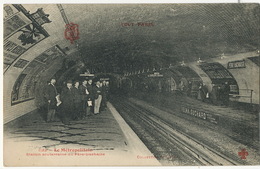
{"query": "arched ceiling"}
{"type": "Point", "coordinates": [178, 32]}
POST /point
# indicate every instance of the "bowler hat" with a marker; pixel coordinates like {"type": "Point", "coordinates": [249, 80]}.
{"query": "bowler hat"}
{"type": "Point", "coordinates": [69, 81]}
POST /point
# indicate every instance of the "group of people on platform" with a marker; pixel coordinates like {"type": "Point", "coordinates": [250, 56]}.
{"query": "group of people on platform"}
{"type": "Point", "coordinates": [77, 100]}
{"type": "Point", "coordinates": [219, 94]}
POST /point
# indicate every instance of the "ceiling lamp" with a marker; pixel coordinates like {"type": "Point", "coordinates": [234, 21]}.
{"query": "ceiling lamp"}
{"type": "Point", "coordinates": [200, 61]}
{"type": "Point", "coordinates": [183, 63]}
{"type": "Point", "coordinates": [222, 56]}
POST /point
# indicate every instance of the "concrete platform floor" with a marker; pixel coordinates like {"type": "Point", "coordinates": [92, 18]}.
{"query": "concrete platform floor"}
{"type": "Point", "coordinates": [96, 141]}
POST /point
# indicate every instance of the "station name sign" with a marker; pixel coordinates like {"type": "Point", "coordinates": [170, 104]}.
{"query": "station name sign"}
{"type": "Point", "coordinates": [87, 75]}
{"type": "Point", "coordinates": [155, 74]}
{"type": "Point", "coordinates": [199, 114]}
{"type": "Point", "coordinates": [236, 64]}
{"type": "Point", "coordinates": [104, 79]}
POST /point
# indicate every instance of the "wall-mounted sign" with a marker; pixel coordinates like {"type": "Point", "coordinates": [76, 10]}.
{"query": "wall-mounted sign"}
{"type": "Point", "coordinates": [104, 79]}
{"type": "Point", "coordinates": [9, 11]}
{"type": "Point", "coordinates": [21, 32]}
{"type": "Point", "coordinates": [155, 74]}
{"type": "Point", "coordinates": [87, 74]}
{"type": "Point", "coordinates": [16, 89]}
{"type": "Point", "coordinates": [49, 55]}
{"type": "Point", "coordinates": [14, 23]}
{"type": "Point", "coordinates": [20, 42]}
{"type": "Point", "coordinates": [236, 64]}
{"type": "Point", "coordinates": [21, 63]}
{"type": "Point", "coordinates": [24, 87]}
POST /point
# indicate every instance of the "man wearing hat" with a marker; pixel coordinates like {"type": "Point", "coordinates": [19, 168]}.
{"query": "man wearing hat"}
{"type": "Point", "coordinates": [67, 98]}
{"type": "Point", "coordinates": [84, 92]}
{"type": "Point", "coordinates": [50, 95]}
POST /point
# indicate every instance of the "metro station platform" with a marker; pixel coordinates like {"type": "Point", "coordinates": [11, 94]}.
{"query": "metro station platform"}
{"type": "Point", "coordinates": [102, 139]}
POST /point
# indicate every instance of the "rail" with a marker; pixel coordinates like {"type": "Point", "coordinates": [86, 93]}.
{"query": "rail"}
{"type": "Point", "coordinates": [199, 151]}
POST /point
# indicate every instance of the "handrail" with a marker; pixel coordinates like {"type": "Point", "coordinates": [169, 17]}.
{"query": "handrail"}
{"type": "Point", "coordinates": [248, 96]}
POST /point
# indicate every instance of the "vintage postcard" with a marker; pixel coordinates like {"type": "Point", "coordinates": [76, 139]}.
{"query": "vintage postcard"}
{"type": "Point", "coordinates": [131, 84]}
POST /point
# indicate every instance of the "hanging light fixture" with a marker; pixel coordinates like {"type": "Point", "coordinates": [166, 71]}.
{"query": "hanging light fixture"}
{"type": "Point", "coordinates": [199, 61]}
{"type": "Point", "coordinates": [222, 56]}
{"type": "Point", "coordinates": [182, 62]}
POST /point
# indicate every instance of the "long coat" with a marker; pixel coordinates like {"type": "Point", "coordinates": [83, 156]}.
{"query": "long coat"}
{"type": "Point", "coordinates": [77, 95]}
{"type": "Point", "coordinates": [225, 93]}
{"type": "Point", "coordinates": [82, 89]}
{"type": "Point", "coordinates": [104, 91]}
{"type": "Point", "coordinates": [50, 94]}
{"type": "Point", "coordinates": [214, 95]}
{"type": "Point", "coordinates": [67, 98]}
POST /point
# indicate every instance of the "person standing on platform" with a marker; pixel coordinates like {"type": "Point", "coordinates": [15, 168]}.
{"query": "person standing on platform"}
{"type": "Point", "coordinates": [102, 104]}
{"type": "Point", "coordinates": [67, 98]}
{"type": "Point", "coordinates": [77, 101]}
{"type": "Point", "coordinates": [214, 96]}
{"type": "Point", "coordinates": [189, 89]}
{"type": "Point", "coordinates": [203, 90]}
{"type": "Point", "coordinates": [98, 97]}
{"type": "Point", "coordinates": [84, 92]}
{"type": "Point", "coordinates": [50, 95]}
{"type": "Point", "coordinates": [104, 95]}
{"type": "Point", "coordinates": [183, 85]}
{"type": "Point", "coordinates": [226, 91]}
{"type": "Point", "coordinates": [107, 90]}
{"type": "Point", "coordinates": [90, 98]}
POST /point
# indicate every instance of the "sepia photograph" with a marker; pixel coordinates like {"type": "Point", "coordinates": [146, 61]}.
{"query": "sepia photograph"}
{"type": "Point", "coordinates": [165, 84]}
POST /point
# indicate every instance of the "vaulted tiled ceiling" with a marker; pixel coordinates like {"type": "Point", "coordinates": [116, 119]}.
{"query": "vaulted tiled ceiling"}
{"type": "Point", "coordinates": [179, 32]}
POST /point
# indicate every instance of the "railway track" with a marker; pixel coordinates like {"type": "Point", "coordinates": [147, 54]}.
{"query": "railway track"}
{"type": "Point", "coordinates": [236, 126]}
{"type": "Point", "coordinates": [190, 147]}
{"type": "Point", "coordinates": [195, 104]}
{"type": "Point", "coordinates": [162, 148]}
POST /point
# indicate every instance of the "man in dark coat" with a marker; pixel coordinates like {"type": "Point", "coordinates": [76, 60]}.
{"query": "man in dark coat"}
{"type": "Point", "coordinates": [77, 101]}
{"type": "Point", "coordinates": [50, 95]}
{"type": "Point", "coordinates": [214, 95]}
{"type": "Point", "coordinates": [104, 91]}
{"type": "Point", "coordinates": [67, 98]}
{"type": "Point", "coordinates": [226, 91]}
{"type": "Point", "coordinates": [189, 89]}
{"type": "Point", "coordinates": [84, 92]}
{"type": "Point", "coordinates": [107, 90]}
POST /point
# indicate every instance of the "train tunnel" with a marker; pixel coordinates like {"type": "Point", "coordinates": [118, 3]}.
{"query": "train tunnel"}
{"type": "Point", "coordinates": [180, 84]}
